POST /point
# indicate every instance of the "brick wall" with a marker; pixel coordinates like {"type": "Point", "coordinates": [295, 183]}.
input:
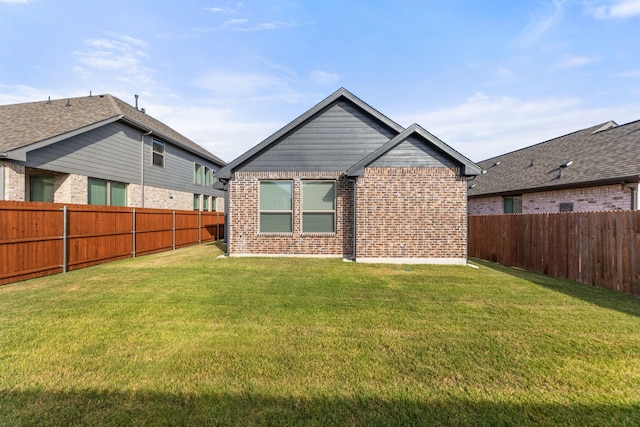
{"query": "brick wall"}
{"type": "Point", "coordinates": [70, 188]}
{"type": "Point", "coordinates": [601, 198]}
{"type": "Point", "coordinates": [403, 214]}
{"type": "Point", "coordinates": [14, 181]}
{"type": "Point", "coordinates": [243, 216]}
{"type": "Point", "coordinates": [412, 213]}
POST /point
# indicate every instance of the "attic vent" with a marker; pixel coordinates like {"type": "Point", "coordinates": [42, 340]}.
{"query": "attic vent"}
{"type": "Point", "coordinates": [606, 126]}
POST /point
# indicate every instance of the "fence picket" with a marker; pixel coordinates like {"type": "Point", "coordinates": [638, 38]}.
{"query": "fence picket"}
{"type": "Point", "coordinates": [90, 235]}
{"type": "Point", "coordinates": [596, 248]}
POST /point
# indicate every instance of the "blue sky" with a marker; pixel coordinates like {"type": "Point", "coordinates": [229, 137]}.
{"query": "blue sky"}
{"type": "Point", "coordinates": [486, 77]}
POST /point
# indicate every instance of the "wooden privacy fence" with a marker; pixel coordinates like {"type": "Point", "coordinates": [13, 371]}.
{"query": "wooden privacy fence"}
{"type": "Point", "coordinates": [37, 239]}
{"type": "Point", "coordinates": [596, 248]}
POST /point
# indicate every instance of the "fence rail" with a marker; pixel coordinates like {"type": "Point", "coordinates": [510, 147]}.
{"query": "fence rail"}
{"type": "Point", "coordinates": [596, 248]}
{"type": "Point", "coordinates": [37, 239]}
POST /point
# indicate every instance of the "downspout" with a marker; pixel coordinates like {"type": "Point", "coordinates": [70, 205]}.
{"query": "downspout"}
{"type": "Point", "coordinates": [634, 194]}
{"type": "Point", "coordinates": [355, 216]}
{"type": "Point", "coordinates": [142, 167]}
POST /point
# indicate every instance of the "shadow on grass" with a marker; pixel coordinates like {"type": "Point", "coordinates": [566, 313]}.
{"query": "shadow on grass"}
{"type": "Point", "coordinates": [92, 407]}
{"type": "Point", "coordinates": [605, 298]}
{"type": "Point", "coordinates": [220, 244]}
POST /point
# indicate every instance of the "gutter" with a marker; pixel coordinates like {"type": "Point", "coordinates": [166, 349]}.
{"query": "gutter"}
{"type": "Point", "coordinates": [4, 155]}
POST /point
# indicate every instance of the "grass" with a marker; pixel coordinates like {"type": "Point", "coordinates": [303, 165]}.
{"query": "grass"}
{"type": "Point", "coordinates": [183, 338]}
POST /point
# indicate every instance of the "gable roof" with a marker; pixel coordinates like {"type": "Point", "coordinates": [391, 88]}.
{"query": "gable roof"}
{"type": "Point", "coordinates": [468, 167]}
{"type": "Point", "coordinates": [601, 154]}
{"type": "Point", "coordinates": [227, 171]}
{"type": "Point", "coordinates": [28, 126]}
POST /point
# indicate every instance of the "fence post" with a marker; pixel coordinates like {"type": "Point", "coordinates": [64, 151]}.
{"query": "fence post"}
{"type": "Point", "coordinates": [64, 239]}
{"type": "Point", "coordinates": [174, 230]}
{"type": "Point", "coordinates": [199, 227]}
{"type": "Point", "coordinates": [133, 234]}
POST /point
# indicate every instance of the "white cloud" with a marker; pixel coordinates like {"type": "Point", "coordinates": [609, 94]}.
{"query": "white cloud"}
{"type": "Point", "coordinates": [226, 82]}
{"type": "Point", "coordinates": [620, 9]}
{"type": "Point", "coordinates": [484, 126]}
{"type": "Point", "coordinates": [219, 130]}
{"type": "Point", "coordinates": [123, 56]}
{"type": "Point", "coordinates": [576, 61]}
{"type": "Point", "coordinates": [14, 1]}
{"type": "Point", "coordinates": [540, 23]}
{"type": "Point", "coordinates": [323, 77]}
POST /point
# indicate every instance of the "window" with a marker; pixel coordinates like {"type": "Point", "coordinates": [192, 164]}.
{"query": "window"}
{"type": "Point", "coordinates": [205, 203]}
{"type": "Point", "coordinates": [276, 206]}
{"type": "Point", "coordinates": [107, 193]}
{"type": "Point", "coordinates": [207, 176]}
{"type": "Point", "coordinates": [213, 204]}
{"type": "Point", "coordinates": [512, 205]}
{"type": "Point", "coordinates": [197, 174]}
{"type": "Point", "coordinates": [158, 153]}
{"type": "Point", "coordinates": [318, 207]}
{"type": "Point", "coordinates": [41, 188]}
{"type": "Point", "coordinates": [566, 207]}
{"type": "Point", "coordinates": [196, 202]}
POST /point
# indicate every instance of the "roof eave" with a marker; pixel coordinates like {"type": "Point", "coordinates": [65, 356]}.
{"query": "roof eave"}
{"type": "Point", "coordinates": [469, 168]}
{"type": "Point", "coordinates": [20, 153]}
{"type": "Point", "coordinates": [227, 171]}
{"type": "Point", "coordinates": [146, 128]}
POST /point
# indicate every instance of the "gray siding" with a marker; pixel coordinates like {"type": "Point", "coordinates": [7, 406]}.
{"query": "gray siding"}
{"type": "Point", "coordinates": [333, 140]}
{"type": "Point", "coordinates": [414, 153]}
{"type": "Point", "coordinates": [112, 152]}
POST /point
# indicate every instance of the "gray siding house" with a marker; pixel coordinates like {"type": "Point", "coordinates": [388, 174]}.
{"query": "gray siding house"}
{"type": "Point", "coordinates": [344, 180]}
{"type": "Point", "coordinates": [593, 169]}
{"type": "Point", "coordinates": [101, 150]}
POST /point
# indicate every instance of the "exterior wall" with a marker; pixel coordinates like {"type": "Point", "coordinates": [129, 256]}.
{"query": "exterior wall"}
{"type": "Point", "coordinates": [412, 215]}
{"type": "Point", "coordinates": [243, 218]}
{"type": "Point", "coordinates": [112, 152]}
{"type": "Point", "coordinates": [601, 198]}
{"type": "Point", "coordinates": [68, 188]}
{"type": "Point", "coordinates": [14, 181]}
{"type": "Point", "coordinates": [335, 139]}
{"type": "Point", "coordinates": [72, 188]}
{"type": "Point", "coordinates": [486, 206]}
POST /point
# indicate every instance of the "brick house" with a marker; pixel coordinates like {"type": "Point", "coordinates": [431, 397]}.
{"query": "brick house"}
{"type": "Point", "coordinates": [343, 180]}
{"type": "Point", "coordinates": [594, 169]}
{"type": "Point", "coordinates": [101, 150]}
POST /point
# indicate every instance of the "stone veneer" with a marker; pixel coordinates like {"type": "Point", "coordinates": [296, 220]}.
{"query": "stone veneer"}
{"type": "Point", "coordinates": [403, 215]}
{"type": "Point", "coordinates": [243, 216]}
{"type": "Point", "coordinates": [14, 181]}
{"type": "Point", "coordinates": [602, 198]}
{"type": "Point", "coordinates": [411, 215]}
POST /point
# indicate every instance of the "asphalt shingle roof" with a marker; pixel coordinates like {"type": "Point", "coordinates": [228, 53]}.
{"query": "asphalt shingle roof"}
{"type": "Point", "coordinates": [24, 124]}
{"type": "Point", "coordinates": [596, 156]}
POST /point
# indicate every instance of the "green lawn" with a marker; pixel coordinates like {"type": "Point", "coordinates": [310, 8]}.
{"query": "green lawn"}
{"type": "Point", "coordinates": [183, 338]}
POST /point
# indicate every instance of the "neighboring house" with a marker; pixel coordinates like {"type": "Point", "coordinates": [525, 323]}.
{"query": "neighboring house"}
{"type": "Point", "coordinates": [594, 169]}
{"type": "Point", "coordinates": [343, 180]}
{"type": "Point", "coordinates": [101, 150]}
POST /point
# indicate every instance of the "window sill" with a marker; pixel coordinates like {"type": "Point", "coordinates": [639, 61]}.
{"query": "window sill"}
{"type": "Point", "coordinates": [331, 234]}
{"type": "Point", "coordinates": [284, 234]}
